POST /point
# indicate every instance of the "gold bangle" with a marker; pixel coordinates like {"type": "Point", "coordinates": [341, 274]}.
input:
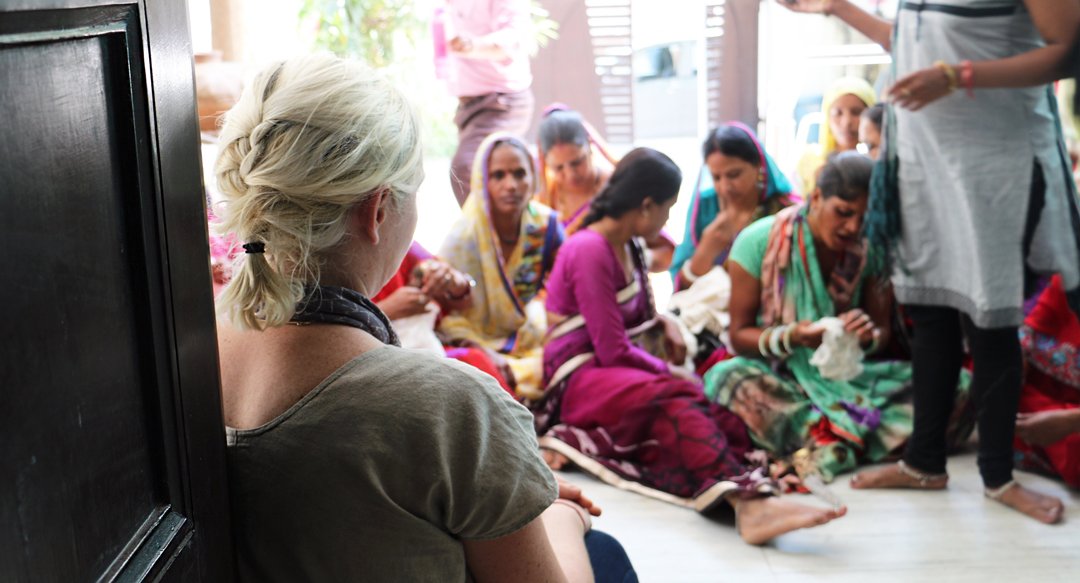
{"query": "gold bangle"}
{"type": "Point", "coordinates": [950, 74]}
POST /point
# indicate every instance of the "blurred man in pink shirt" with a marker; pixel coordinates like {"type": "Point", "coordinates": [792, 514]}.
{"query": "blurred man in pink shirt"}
{"type": "Point", "coordinates": [490, 76]}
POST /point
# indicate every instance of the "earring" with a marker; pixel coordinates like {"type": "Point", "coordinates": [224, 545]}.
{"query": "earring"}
{"type": "Point", "coordinates": [760, 181]}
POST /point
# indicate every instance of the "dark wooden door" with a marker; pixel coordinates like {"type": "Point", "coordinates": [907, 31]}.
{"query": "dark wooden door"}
{"type": "Point", "coordinates": [111, 441]}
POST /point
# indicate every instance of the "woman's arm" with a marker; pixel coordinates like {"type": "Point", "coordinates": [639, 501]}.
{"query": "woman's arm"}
{"type": "Point", "coordinates": [1057, 22]}
{"type": "Point", "coordinates": [876, 29]}
{"type": "Point", "coordinates": [717, 236]}
{"type": "Point", "coordinates": [595, 295]}
{"type": "Point", "coordinates": [743, 307]}
{"type": "Point", "coordinates": [550, 548]}
{"type": "Point", "coordinates": [511, 39]}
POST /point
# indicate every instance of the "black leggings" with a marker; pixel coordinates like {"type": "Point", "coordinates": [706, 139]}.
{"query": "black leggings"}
{"type": "Point", "coordinates": [937, 354]}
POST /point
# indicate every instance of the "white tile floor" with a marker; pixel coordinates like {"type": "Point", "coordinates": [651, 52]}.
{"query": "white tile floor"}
{"type": "Point", "coordinates": [956, 535]}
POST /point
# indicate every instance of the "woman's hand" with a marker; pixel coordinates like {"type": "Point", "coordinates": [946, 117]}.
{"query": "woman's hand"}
{"type": "Point", "coordinates": [405, 301]}
{"type": "Point", "coordinates": [807, 334]}
{"type": "Point", "coordinates": [571, 492]}
{"type": "Point", "coordinates": [727, 225]}
{"type": "Point", "coordinates": [920, 88]}
{"type": "Point", "coordinates": [460, 44]}
{"type": "Point", "coordinates": [808, 6]}
{"type": "Point", "coordinates": [860, 324]}
{"type": "Point", "coordinates": [442, 281]}
{"type": "Point", "coordinates": [1047, 427]}
{"type": "Point", "coordinates": [674, 345]}
{"type": "Point", "coordinates": [502, 365]}
{"type": "Point", "coordinates": [683, 373]}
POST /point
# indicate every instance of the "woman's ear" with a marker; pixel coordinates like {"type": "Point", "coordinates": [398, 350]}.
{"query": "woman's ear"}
{"type": "Point", "coordinates": [648, 206]}
{"type": "Point", "coordinates": [368, 216]}
{"type": "Point", "coordinates": [815, 199]}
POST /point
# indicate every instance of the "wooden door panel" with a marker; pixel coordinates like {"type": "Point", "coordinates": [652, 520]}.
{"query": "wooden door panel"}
{"type": "Point", "coordinates": [112, 429]}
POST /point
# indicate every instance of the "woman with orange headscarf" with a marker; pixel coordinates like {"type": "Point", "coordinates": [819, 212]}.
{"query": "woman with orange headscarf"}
{"type": "Point", "coordinates": [575, 164]}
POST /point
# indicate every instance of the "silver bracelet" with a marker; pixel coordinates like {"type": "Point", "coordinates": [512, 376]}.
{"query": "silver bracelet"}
{"type": "Point", "coordinates": [468, 289]}
{"type": "Point", "coordinates": [875, 343]}
{"type": "Point", "coordinates": [762, 340]}
{"type": "Point", "coordinates": [774, 342]}
{"type": "Point", "coordinates": [687, 274]}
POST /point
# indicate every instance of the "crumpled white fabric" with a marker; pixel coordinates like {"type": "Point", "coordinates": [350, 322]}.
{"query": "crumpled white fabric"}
{"type": "Point", "coordinates": [704, 305]}
{"type": "Point", "coordinates": [839, 358]}
{"type": "Point", "coordinates": [418, 332]}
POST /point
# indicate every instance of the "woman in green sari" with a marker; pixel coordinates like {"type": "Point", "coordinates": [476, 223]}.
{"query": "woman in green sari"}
{"type": "Point", "coordinates": [788, 272]}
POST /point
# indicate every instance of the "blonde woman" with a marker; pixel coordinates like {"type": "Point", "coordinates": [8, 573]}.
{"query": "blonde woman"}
{"type": "Point", "coordinates": [350, 458]}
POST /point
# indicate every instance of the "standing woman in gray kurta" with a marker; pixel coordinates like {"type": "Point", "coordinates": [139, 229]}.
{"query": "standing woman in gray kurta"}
{"type": "Point", "coordinates": [985, 200]}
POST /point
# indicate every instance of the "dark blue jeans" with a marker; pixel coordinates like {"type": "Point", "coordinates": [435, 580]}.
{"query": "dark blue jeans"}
{"type": "Point", "coordinates": [608, 558]}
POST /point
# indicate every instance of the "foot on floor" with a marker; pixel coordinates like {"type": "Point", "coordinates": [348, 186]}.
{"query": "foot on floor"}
{"type": "Point", "coordinates": [1041, 507]}
{"type": "Point", "coordinates": [898, 475]}
{"type": "Point", "coordinates": [760, 520]}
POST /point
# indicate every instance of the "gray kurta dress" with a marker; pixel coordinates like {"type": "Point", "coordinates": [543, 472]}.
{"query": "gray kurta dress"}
{"type": "Point", "coordinates": [967, 167]}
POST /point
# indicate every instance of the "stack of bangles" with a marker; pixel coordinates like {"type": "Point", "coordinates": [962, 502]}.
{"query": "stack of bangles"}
{"type": "Point", "coordinates": [775, 341]}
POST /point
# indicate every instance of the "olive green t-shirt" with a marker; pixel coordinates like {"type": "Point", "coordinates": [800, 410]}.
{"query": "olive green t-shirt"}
{"type": "Point", "coordinates": [381, 471]}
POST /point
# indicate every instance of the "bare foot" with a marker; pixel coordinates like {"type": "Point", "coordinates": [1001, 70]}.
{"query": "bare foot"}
{"type": "Point", "coordinates": [1046, 509]}
{"type": "Point", "coordinates": [894, 476]}
{"type": "Point", "coordinates": [554, 459]}
{"type": "Point", "coordinates": [760, 520]}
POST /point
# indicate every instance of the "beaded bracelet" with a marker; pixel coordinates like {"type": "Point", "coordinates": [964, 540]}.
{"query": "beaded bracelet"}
{"type": "Point", "coordinates": [967, 78]}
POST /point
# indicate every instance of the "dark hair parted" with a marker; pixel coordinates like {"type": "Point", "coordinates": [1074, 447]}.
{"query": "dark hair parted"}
{"type": "Point", "coordinates": [875, 113]}
{"type": "Point", "coordinates": [562, 126]}
{"type": "Point", "coordinates": [846, 175]}
{"type": "Point", "coordinates": [641, 174]}
{"type": "Point", "coordinates": [733, 142]}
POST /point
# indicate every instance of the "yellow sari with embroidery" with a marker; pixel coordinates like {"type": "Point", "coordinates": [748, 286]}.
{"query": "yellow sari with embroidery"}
{"type": "Point", "coordinates": [817, 154]}
{"type": "Point", "coordinates": [507, 314]}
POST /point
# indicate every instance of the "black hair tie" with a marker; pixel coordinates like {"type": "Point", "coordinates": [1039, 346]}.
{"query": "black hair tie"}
{"type": "Point", "coordinates": [254, 247]}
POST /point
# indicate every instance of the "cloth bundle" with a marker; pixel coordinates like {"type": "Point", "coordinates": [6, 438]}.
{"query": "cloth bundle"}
{"type": "Point", "coordinates": [704, 305]}
{"type": "Point", "coordinates": [839, 357]}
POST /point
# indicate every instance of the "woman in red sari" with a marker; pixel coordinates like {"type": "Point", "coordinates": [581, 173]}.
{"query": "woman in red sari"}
{"type": "Point", "coordinates": [1048, 424]}
{"type": "Point", "coordinates": [423, 279]}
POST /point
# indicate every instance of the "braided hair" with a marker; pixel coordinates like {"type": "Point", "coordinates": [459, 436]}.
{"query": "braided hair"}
{"type": "Point", "coordinates": [643, 173]}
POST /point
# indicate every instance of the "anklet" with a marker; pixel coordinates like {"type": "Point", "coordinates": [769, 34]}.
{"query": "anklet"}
{"type": "Point", "coordinates": [923, 477]}
{"type": "Point", "coordinates": [997, 493]}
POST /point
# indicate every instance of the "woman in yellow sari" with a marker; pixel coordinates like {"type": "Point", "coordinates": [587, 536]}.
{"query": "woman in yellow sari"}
{"type": "Point", "coordinates": [506, 242]}
{"type": "Point", "coordinates": [841, 107]}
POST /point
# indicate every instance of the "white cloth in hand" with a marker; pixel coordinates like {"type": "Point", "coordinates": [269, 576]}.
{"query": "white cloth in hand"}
{"type": "Point", "coordinates": [839, 358]}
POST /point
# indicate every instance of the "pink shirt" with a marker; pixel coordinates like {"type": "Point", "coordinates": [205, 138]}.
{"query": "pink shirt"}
{"type": "Point", "coordinates": [503, 23]}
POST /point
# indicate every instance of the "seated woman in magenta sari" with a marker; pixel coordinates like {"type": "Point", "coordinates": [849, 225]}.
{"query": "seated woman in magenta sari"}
{"type": "Point", "coordinates": [619, 412]}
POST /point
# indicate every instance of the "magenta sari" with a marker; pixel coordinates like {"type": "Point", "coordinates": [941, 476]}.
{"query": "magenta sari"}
{"type": "Point", "coordinates": [614, 409]}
